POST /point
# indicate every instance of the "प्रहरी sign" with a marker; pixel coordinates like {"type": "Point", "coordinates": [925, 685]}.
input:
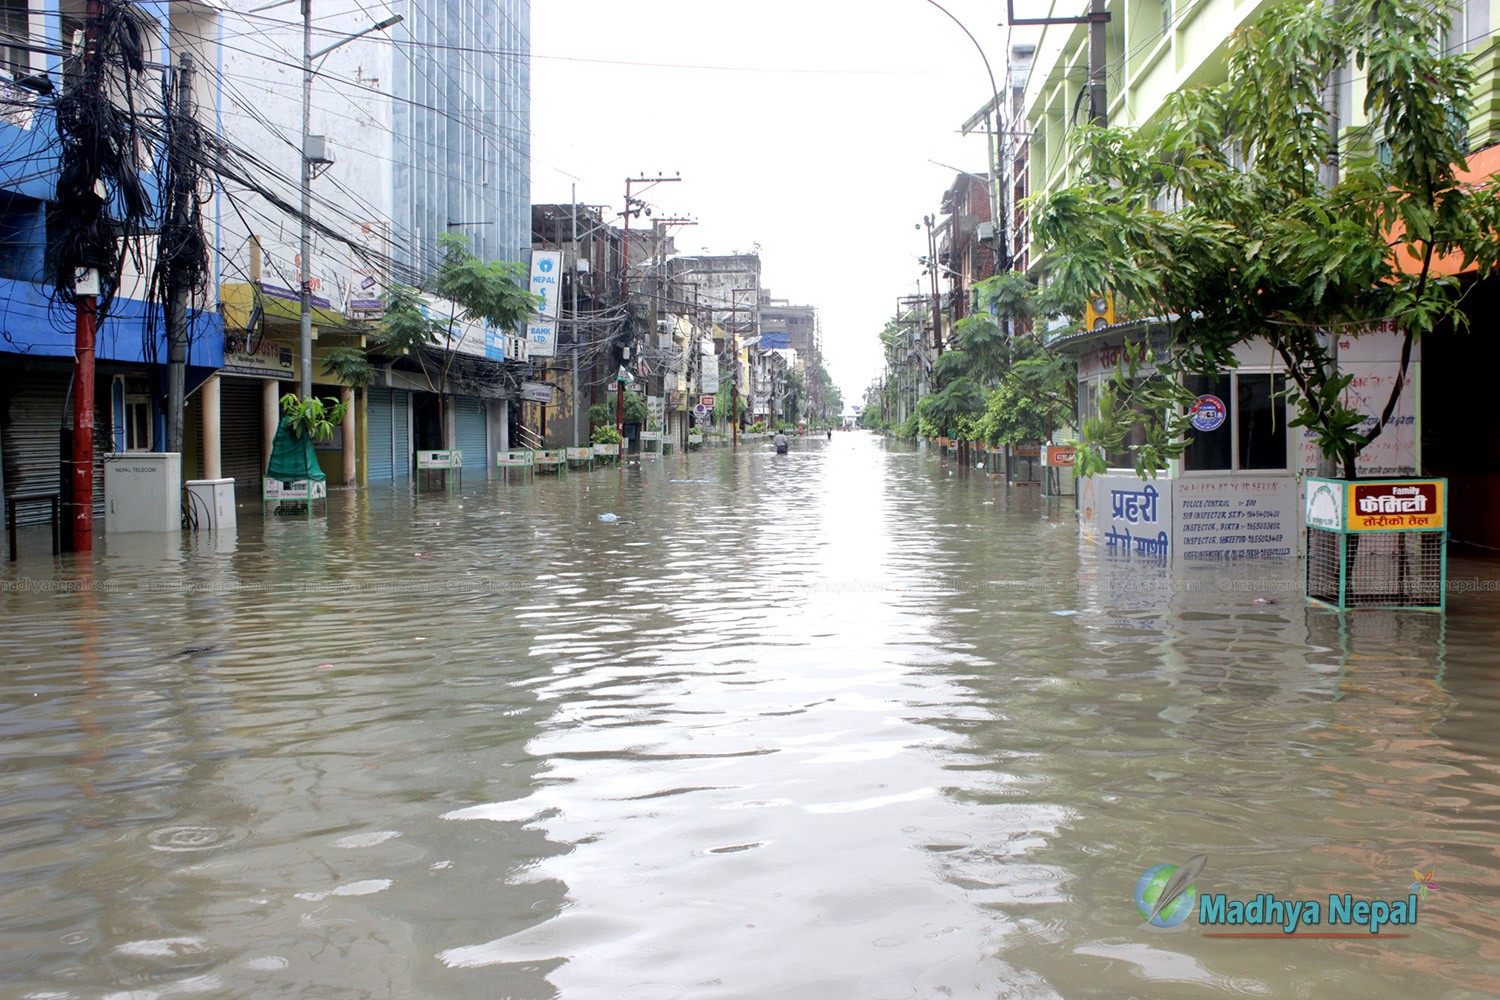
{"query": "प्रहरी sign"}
{"type": "Point", "coordinates": [546, 284]}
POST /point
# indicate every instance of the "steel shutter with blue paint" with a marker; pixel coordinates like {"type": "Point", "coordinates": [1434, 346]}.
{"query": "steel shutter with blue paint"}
{"type": "Point", "coordinates": [469, 423]}
{"type": "Point", "coordinates": [400, 434]}
{"type": "Point", "coordinates": [378, 434]}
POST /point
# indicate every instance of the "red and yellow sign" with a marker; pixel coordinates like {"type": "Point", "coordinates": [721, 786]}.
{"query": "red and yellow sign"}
{"type": "Point", "coordinates": [1059, 456]}
{"type": "Point", "coordinates": [1404, 504]}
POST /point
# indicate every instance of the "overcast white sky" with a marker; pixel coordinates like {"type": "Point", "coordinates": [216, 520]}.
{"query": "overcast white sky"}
{"type": "Point", "coordinates": [804, 126]}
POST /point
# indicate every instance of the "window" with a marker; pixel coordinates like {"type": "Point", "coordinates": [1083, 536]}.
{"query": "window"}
{"type": "Point", "coordinates": [137, 416]}
{"type": "Point", "coordinates": [1468, 26]}
{"type": "Point", "coordinates": [1240, 423]}
{"type": "Point", "coordinates": [15, 35]}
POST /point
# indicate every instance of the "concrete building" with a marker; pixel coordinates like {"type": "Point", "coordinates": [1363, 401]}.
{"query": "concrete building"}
{"type": "Point", "coordinates": [593, 320]}
{"type": "Point", "coordinates": [36, 328]}
{"type": "Point", "coordinates": [1249, 465]}
{"type": "Point", "coordinates": [722, 294]}
{"type": "Point", "coordinates": [423, 133]}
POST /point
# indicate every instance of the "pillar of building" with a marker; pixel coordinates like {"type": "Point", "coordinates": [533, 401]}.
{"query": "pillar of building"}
{"type": "Point", "coordinates": [270, 416]}
{"type": "Point", "coordinates": [346, 396]}
{"type": "Point", "coordinates": [363, 423]}
{"type": "Point", "coordinates": [208, 401]}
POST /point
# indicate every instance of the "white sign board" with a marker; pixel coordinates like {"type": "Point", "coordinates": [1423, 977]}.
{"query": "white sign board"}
{"type": "Point", "coordinates": [440, 459]}
{"type": "Point", "coordinates": [546, 283]}
{"type": "Point", "coordinates": [536, 392]}
{"type": "Point", "coordinates": [708, 375]}
{"type": "Point", "coordinates": [1373, 361]}
{"type": "Point", "coordinates": [1325, 505]}
{"type": "Point", "coordinates": [301, 489]}
{"type": "Point", "coordinates": [1218, 517]}
{"type": "Point", "coordinates": [1235, 517]}
{"type": "Point", "coordinates": [367, 279]}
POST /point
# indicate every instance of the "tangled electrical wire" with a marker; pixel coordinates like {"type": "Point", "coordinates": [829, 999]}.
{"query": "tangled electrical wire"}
{"type": "Point", "coordinates": [100, 152]}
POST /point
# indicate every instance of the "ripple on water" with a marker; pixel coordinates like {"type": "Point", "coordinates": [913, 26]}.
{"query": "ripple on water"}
{"type": "Point", "coordinates": [191, 838]}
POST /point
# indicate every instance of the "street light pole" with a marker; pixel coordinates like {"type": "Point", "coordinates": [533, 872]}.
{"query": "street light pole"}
{"type": "Point", "coordinates": [304, 262]}
{"type": "Point", "coordinates": [304, 265]}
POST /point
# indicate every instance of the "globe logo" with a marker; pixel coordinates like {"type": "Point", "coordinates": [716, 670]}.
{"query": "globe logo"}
{"type": "Point", "coordinates": [1150, 889]}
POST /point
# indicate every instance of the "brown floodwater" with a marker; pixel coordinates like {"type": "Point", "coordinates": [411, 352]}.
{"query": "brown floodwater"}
{"type": "Point", "coordinates": [850, 723]}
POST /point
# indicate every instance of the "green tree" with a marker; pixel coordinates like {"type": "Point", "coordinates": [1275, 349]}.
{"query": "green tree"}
{"type": "Point", "coordinates": [1257, 246]}
{"type": "Point", "coordinates": [1003, 386]}
{"type": "Point", "coordinates": [487, 292]}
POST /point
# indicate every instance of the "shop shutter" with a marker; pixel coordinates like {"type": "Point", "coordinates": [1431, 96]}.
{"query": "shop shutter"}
{"type": "Point", "coordinates": [33, 409]}
{"type": "Point", "coordinates": [240, 455]}
{"type": "Point", "coordinates": [378, 434]}
{"type": "Point", "coordinates": [469, 423]}
{"type": "Point", "coordinates": [400, 434]}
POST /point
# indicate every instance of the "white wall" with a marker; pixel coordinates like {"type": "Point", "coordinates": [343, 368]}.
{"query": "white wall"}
{"type": "Point", "coordinates": [263, 80]}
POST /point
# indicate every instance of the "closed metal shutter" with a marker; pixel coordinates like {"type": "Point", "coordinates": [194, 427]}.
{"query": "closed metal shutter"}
{"type": "Point", "coordinates": [400, 434]}
{"type": "Point", "coordinates": [33, 405]}
{"type": "Point", "coordinates": [469, 424]}
{"type": "Point", "coordinates": [378, 434]}
{"type": "Point", "coordinates": [240, 435]}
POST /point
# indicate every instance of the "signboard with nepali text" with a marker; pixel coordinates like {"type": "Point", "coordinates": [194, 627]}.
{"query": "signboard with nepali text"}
{"type": "Point", "coordinates": [1056, 456]}
{"type": "Point", "coordinates": [1396, 505]}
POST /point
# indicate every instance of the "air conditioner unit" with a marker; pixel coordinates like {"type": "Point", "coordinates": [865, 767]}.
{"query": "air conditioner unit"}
{"type": "Point", "coordinates": [986, 231]}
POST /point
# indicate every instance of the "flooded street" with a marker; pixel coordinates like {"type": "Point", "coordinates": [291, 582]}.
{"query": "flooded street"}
{"type": "Point", "coordinates": [849, 723]}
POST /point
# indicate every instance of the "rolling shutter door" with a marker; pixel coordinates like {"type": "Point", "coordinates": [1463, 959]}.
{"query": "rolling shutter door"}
{"type": "Point", "coordinates": [469, 426]}
{"type": "Point", "coordinates": [378, 434]}
{"type": "Point", "coordinates": [34, 403]}
{"type": "Point", "coordinates": [239, 435]}
{"type": "Point", "coordinates": [400, 434]}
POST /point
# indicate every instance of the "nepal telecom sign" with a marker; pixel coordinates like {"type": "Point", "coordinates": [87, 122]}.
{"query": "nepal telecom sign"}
{"type": "Point", "coordinates": [546, 284]}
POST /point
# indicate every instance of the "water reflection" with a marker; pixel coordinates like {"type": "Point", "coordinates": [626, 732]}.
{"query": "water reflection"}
{"type": "Point", "coordinates": [849, 723]}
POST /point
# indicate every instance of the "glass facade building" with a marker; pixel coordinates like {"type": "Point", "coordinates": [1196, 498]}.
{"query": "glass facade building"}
{"type": "Point", "coordinates": [462, 150]}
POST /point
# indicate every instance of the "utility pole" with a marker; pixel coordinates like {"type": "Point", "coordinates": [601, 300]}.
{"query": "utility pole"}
{"type": "Point", "coordinates": [1096, 19]}
{"type": "Point", "coordinates": [85, 303]}
{"type": "Point", "coordinates": [179, 239]}
{"type": "Point", "coordinates": [932, 271]}
{"type": "Point", "coordinates": [633, 206]}
{"type": "Point", "coordinates": [304, 259]}
{"type": "Point", "coordinates": [573, 213]}
{"type": "Point", "coordinates": [304, 265]}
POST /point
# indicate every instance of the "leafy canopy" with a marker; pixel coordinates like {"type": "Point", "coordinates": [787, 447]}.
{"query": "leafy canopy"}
{"type": "Point", "coordinates": [1216, 219]}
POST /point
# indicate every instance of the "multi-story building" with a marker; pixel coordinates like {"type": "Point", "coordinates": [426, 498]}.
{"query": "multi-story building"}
{"type": "Point", "coordinates": [593, 321]}
{"type": "Point", "coordinates": [39, 62]}
{"type": "Point", "coordinates": [421, 131]}
{"type": "Point", "coordinates": [722, 294]}
{"type": "Point", "coordinates": [1153, 49]}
